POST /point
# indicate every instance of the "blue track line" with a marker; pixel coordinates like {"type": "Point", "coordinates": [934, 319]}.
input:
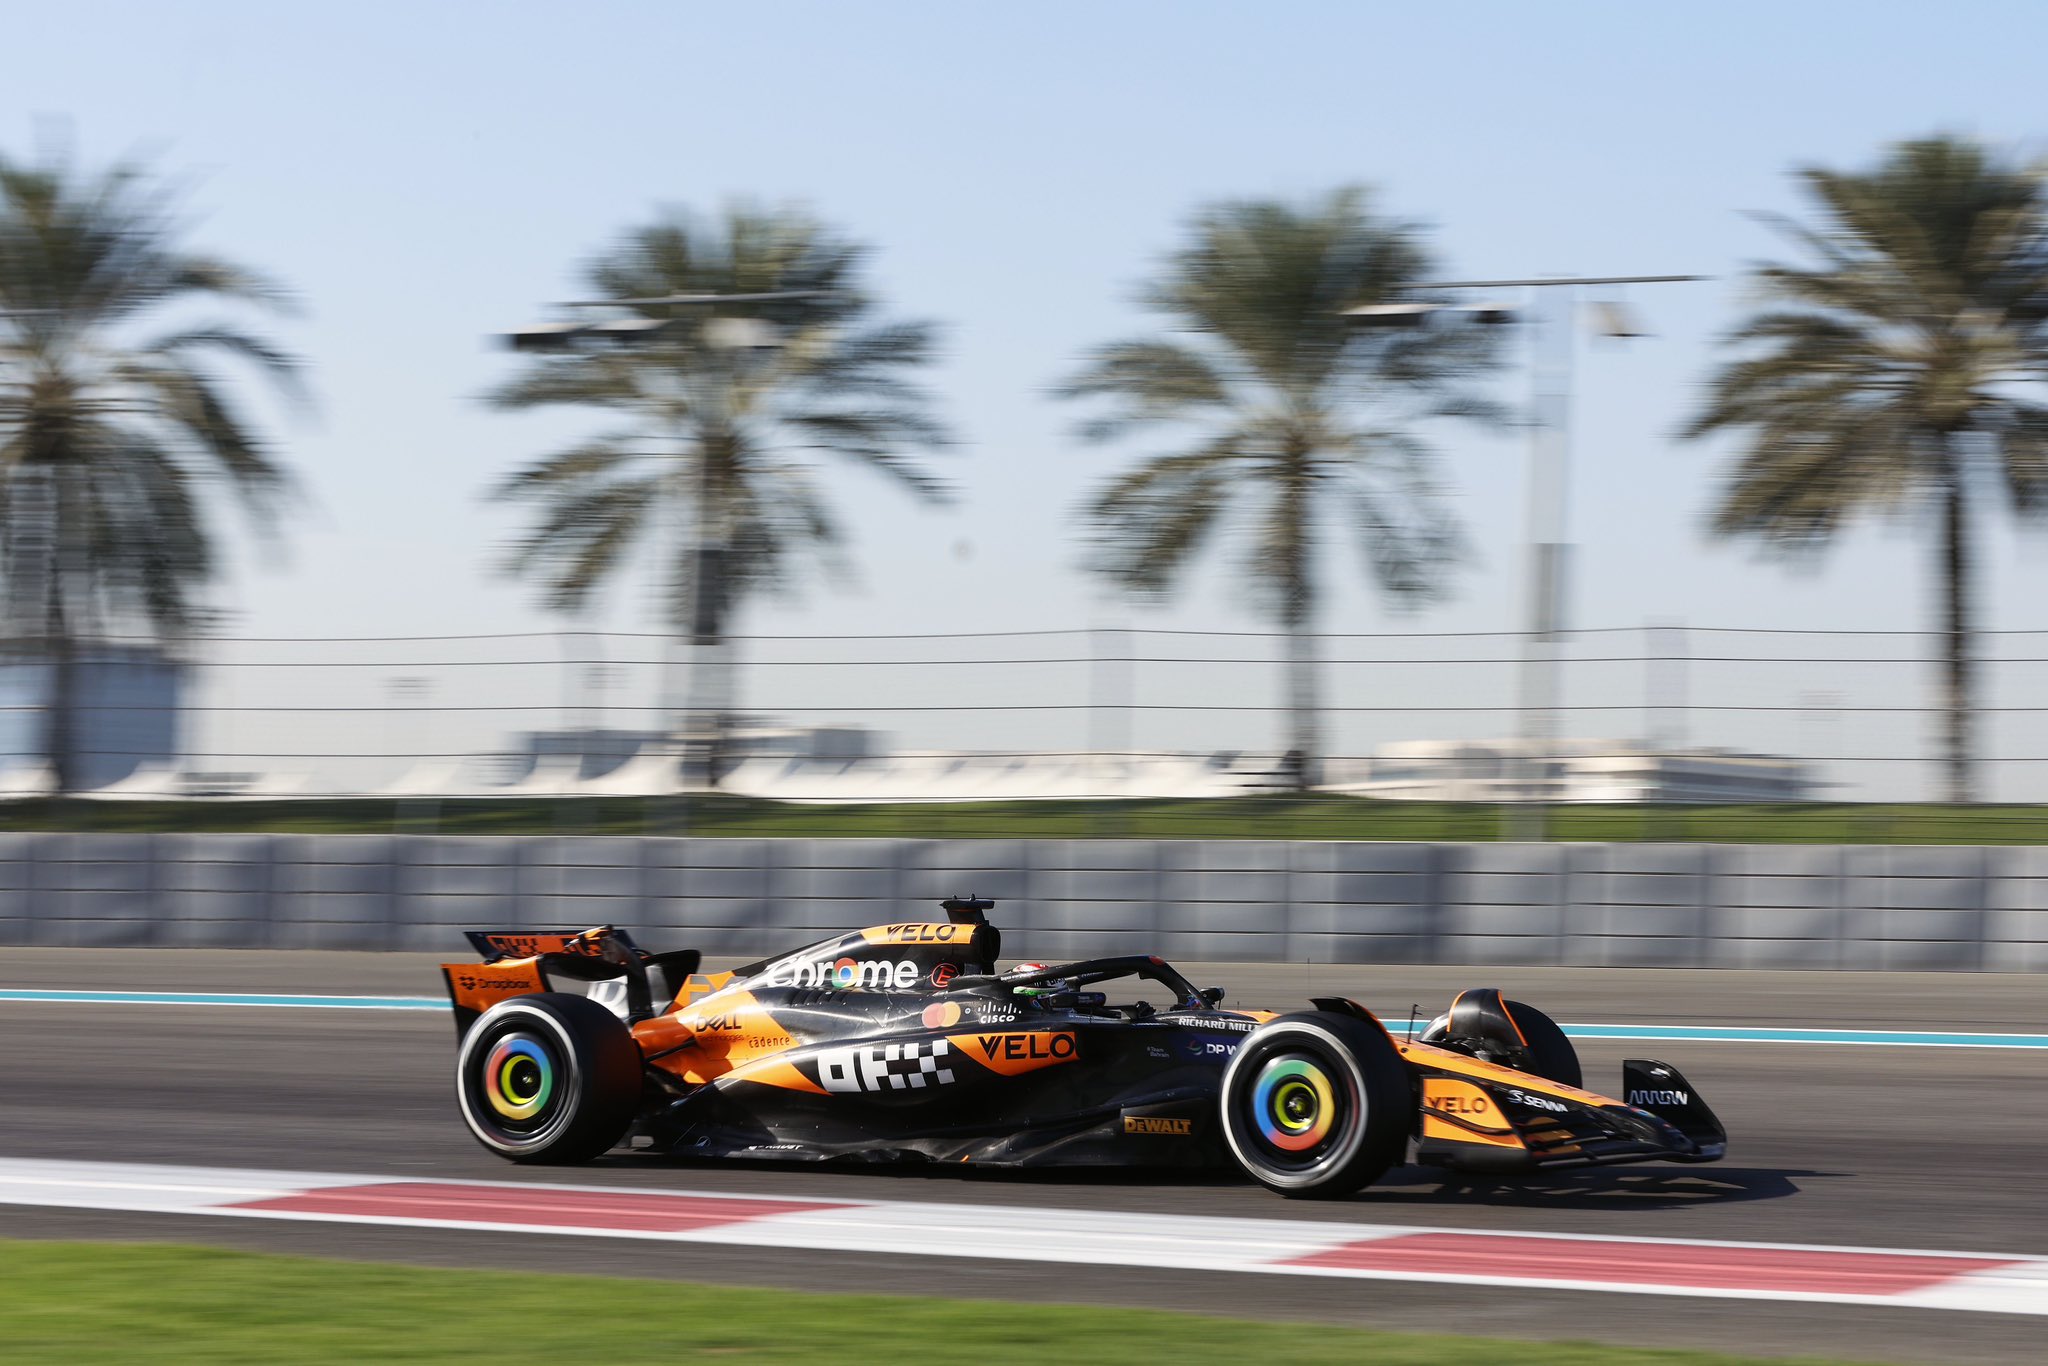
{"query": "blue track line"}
{"type": "Point", "coordinates": [1897, 1038]}
{"type": "Point", "coordinates": [1647, 1033]}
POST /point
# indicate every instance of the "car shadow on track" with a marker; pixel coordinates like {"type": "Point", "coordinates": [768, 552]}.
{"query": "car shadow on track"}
{"type": "Point", "coordinates": [1595, 1188]}
{"type": "Point", "coordinates": [912, 1170]}
{"type": "Point", "coordinates": [1585, 1188]}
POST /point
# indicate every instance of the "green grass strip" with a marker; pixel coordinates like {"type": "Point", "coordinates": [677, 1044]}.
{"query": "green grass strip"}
{"type": "Point", "coordinates": [84, 1303]}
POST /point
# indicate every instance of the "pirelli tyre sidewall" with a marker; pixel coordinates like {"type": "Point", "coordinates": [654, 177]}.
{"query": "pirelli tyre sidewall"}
{"type": "Point", "coordinates": [1316, 1105]}
{"type": "Point", "coordinates": [548, 1078]}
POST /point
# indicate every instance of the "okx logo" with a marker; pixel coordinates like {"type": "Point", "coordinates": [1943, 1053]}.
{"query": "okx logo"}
{"type": "Point", "coordinates": [886, 1066]}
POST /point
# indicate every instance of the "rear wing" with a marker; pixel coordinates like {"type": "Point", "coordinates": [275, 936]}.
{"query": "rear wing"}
{"type": "Point", "coordinates": [495, 945]}
{"type": "Point", "coordinates": [524, 962]}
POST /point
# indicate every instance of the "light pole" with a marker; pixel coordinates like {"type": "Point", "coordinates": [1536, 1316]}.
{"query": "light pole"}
{"type": "Point", "coordinates": [706, 708]}
{"type": "Point", "coordinates": [1550, 373]}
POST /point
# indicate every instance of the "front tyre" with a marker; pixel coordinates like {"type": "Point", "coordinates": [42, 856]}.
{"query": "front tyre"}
{"type": "Point", "coordinates": [1550, 1049]}
{"type": "Point", "coordinates": [1316, 1105]}
{"type": "Point", "coordinates": [1540, 1047]}
{"type": "Point", "coordinates": [548, 1078]}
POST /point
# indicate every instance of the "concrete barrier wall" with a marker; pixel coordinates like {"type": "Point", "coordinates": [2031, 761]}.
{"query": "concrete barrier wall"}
{"type": "Point", "coordinates": [1634, 905]}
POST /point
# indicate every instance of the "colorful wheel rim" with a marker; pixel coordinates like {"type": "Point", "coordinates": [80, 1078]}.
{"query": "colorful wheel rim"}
{"type": "Point", "coordinates": [1294, 1104]}
{"type": "Point", "coordinates": [519, 1077]}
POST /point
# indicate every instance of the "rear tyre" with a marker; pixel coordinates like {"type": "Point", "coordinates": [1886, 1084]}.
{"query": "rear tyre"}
{"type": "Point", "coordinates": [548, 1078]}
{"type": "Point", "coordinates": [1316, 1105]}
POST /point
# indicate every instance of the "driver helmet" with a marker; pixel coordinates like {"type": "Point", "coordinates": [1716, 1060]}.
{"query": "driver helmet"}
{"type": "Point", "coordinates": [1035, 988]}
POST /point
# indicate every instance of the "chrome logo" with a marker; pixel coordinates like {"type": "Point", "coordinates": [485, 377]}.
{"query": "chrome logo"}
{"type": "Point", "coordinates": [1294, 1103]}
{"type": "Point", "coordinates": [518, 1077]}
{"type": "Point", "coordinates": [845, 973]}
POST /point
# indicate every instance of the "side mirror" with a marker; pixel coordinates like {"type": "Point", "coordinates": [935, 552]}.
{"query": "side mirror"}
{"type": "Point", "coordinates": [1212, 996]}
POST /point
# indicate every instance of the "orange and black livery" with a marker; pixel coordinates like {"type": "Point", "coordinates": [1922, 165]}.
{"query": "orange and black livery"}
{"type": "Point", "coordinates": [909, 1042]}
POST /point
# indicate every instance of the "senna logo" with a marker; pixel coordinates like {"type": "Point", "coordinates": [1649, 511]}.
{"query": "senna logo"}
{"type": "Point", "coordinates": [1152, 1124]}
{"type": "Point", "coordinates": [1538, 1102]}
{"type": "Point", "coordinates": [1659, 1098]}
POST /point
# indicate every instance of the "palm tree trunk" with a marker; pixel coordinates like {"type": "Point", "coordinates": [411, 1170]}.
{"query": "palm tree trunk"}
{"type": "Point", "coordinates": [1958, 699]}
{"type": "Point", "coordinates": [1304, 762]}
{"type": "Point", "coordinates": [60, 650]}
{"type": "Point", "coordinates": [60, 706]}
{"type": "Point", "coordinates": [710, 670]}
{"type": "Point", "coordinates": [1304, 706]}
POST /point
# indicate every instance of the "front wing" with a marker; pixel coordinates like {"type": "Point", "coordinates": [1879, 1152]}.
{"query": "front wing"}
{"type": "Point", "coordinates": [1477, 1116]}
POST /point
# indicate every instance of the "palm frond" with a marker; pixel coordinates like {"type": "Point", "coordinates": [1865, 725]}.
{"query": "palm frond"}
{"type": "Point", "coordinates": [588, 461]}
{"type": "Point", "coordinates": [106, 442]}
{"type": "Point", "coordinates": [1151, 519]}
{"type": "Point", "coordinates": [1282, 383]}
{"type": "Point", "coordinates": [581, 537]}
{"type": "Point", "coordinates": [1150, 381]}
{"type": "Point", "coordinates": [729, 418]}
{"type": "Point", "coordinates": [572, 381]}
{"type": "Point", "coordinates": [279, 365]}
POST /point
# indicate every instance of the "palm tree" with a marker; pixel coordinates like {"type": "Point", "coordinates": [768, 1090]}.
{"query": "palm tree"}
{"type": "Point", "coordinates": [1288, 421]}
{"type": "Point", "coordinates": [722, 409]}
{"type": "Point", "coordinates": [1882, 376]}
{"type": "Point", "coordinates": [109, 430]}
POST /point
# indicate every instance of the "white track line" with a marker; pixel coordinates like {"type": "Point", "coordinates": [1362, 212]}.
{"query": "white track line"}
{"type": "Point", "coordinates": [1988, 1283]}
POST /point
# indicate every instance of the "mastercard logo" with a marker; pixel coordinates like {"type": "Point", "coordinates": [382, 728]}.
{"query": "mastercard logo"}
{"type": "Point", "coordinates": [941, 1014]}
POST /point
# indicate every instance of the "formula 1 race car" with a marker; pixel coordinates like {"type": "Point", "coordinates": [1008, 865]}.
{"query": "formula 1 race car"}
{"type": "Point", "coordinates": [905, 1042]}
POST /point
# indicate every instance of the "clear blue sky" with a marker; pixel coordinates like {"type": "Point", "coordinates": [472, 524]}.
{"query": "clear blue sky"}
{"type": "Point", "coordinates": [425, 174]}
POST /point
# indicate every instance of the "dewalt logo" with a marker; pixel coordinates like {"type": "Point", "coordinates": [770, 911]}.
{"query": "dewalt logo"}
{"type": "Point", "coordinates": [1152, 1124]}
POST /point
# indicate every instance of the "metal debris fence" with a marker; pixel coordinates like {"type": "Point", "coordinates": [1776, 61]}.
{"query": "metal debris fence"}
{"type": "Point", "coordinates": [469, 715]}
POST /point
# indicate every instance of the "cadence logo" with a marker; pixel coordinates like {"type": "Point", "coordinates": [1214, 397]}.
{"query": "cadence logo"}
{"type": "Point", "coordinates": [868, 973]}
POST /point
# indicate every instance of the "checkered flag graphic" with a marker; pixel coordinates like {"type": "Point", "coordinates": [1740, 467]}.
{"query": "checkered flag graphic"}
{"type": "Point", "coordinates": [886, 1067]}
{"type": "Point", "coordinates": [896, 1058]}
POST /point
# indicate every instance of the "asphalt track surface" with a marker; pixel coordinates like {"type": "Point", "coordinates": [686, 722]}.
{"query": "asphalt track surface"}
{"type": "Point", "coordinates": [1893, 1147]}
